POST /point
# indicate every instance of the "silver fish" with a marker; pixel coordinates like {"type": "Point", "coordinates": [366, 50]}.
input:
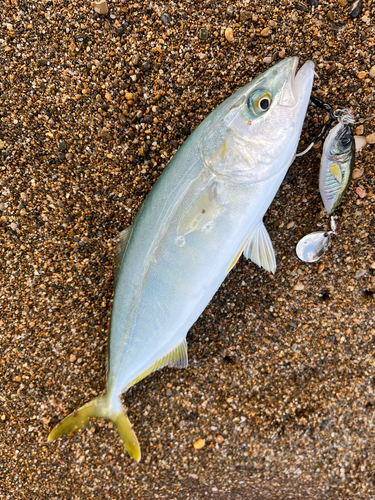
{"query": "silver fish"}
{"type": "Point", "coordinates": [204, 211]}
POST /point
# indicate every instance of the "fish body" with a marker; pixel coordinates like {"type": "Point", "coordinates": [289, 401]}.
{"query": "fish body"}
{"type": "Point", "coordinates": [336, 166]}
{"type": "Point", "coordinates": [204, 211]}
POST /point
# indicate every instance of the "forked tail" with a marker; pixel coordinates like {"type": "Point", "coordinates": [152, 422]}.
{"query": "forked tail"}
{"type": "Point", "coordinates": [101, 407]}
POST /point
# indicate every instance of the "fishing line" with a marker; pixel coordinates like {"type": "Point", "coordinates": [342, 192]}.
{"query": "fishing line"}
{"type": "Point", "coordinates": [341, 115]}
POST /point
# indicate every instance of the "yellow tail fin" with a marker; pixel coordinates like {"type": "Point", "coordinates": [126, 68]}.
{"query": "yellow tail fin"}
{"type": "Point", "coordinates": [100, 407]}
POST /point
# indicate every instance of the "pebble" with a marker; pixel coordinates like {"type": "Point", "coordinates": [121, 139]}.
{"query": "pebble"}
{"type": "Point", "coordinates": [203, 34]}
{"type": "Point", "coordinates": [146, 66]}
{"type": "Point", "coordinates": [2, 144]}
{"type": "Point", "coordinates": [356, 8]}
{"type": "Point", "coordinates": [165, 18]}
{"type": "Point", "coordinates": [357, 173]}
{"type": "Point", "coordinates": [360, 142]}
{"type": "Point", "coordinates": [370, 139]}
{"type": "Point", "coordinates": [265, 31]}
{"type": "Point", "coordinates": [282, 54]}
{"type": "Point", "coordinates": [299, 286]}
{"type": "Point", "coordinates": [101, 7]}
{"type": "Point", "coordinates": [267, 60]}
{"type": "Point", "coordinates": [62, 145]}
{"type": "Point", "coordinates": [362, 74]}
{"type": "Point", "coordinates": [72, 358]}
{"type": "Point", "coordinates": [372, 72]}
{"type": "Point", "coordinates": [359, 130]}
{"type": "Point", "coordinates": [361, 192]}
{"type": "Point", "coordinates": [245, 15]}
{"type": "Point", "coordinates": [230, 11]}
{"type": "Point", "coordinates": [343, 3]}
{"type": "Point", "coordinates": [330, 16]}
{"type": "Point", "coordinates": [290, 225]}
{"type": "Point", "coordinates": [199, 444]}
{"type": "Point", "coordinates": [360, 273]}
{"type": "Point", "coordinates": [229, 34]}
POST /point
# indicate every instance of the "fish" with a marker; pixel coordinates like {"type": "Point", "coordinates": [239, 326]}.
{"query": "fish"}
{"type": "Point", "coordinates": [337, 162]}
{"type": "Point", "coordinates": [205, 210]}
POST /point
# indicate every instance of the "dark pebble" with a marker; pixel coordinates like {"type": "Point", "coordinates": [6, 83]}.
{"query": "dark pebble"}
{"type": "Point", "coordinates": [62, 146]}
{"type": "Point", "coordinates": [203, 34]}
{"type": "Point", "coordinates": [165, 19]}
{"type": "Point", "coordinates": [185, 130]}
{"type": "Point", "coordinates": [313, 3]}
{"type": "Point", "coordinates": [146, 66]}
{"type": "Point", "coordinates": [356, 8]}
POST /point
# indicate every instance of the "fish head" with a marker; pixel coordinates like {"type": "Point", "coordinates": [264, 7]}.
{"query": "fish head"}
{"type": "Point", "coordinates": [340, 142]}
{"type": "Point", "coordinates": [253, 135]}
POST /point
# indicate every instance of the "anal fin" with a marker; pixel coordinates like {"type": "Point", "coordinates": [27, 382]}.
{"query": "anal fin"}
{"type": "Point", "coordinates": [259, 248]}
{"type": "Point", "coordinates": [177, 357]}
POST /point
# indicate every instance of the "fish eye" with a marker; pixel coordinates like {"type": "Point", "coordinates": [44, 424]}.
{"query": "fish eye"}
{"type": "Point", "coordinates": [259, 102]}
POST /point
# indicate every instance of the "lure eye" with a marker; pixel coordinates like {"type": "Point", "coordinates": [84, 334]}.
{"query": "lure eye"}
{"type": "Point", "coordinates": [259, 102]}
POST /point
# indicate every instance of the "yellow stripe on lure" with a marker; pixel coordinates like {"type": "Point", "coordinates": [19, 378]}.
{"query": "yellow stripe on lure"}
{"type": "Point", "coordinates": [207, 204]}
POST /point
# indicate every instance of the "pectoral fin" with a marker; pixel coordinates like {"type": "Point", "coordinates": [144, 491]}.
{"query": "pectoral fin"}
{"type": "Point", "coordinates": [259, 248]}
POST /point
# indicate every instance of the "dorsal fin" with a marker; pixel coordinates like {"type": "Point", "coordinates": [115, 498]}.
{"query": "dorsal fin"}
{"type": "Point", "coordinates": [120, 249]}
{"type": "Point", "coordinates": [259, 248]}
{"type": "Point", "coordinates": [177, 357]}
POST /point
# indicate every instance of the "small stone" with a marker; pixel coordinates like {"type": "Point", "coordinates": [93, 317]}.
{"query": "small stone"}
{"type": "Point", "coordinates": [313, 3]}
{"type": "Point", "coordinates": [359, 130]}
{"type": "Point", "coordinates": [299, 286]}
{"type": "Point", "coordinates": [198, 445]}
{"type": "Point", "coordinates": [330, 16]}
{"type": "Point", "coordinates": [267, 60]}
{"type": "Point", "coordinates": [42, 61]}
{"type": "Point", "coordinates": [265, 31]}
{"type": "Point", "coordinates": [72, 358]}
{"type": "Point", "coordinates": [129, 96]}
{"type": "Point", "coordinates": [203, 34]}
{"type": "Point", "coordinates": [219, 439]}
{"type": "Point", "coordinates": [14, 226]}
{"type": "Point", "coordinates": [372, 72]}
{"type": "Point", "coordinates": [244, 16]}
{"type": "Point", "coordinates": [356, 8]}
{"type": "Point", "coordinates": [360, 142]}
{"type": "Point", "coordinates": [357, 173]}
{"type": "Point", "coordinates": [362, 74]}
{"type": "Point", "coordinates": [230, 11]}
{"type": "Point", "coordinates": [290, 225]}
{"type": "Point", "coordinates": [69, 156]}
{"type": "Point", "coordinates": [370, 139]}
{"type": "Point", "coordinates": [108, 96]}
{"type": "Point", "coordinates": [101, 7]}
{"type": "Point", "coordinates": [2, 144]}
{"type": "Point", "coordinates": [320, 268]}
{"type": "Point", "coordinates": [165, 18]}
{"type": "Point", "coordinates": [343, 3]}
{"type": "Point", "coordinates": [62, 145]}
{"type": "Point", "coordinates": [146, 66]}
{"type": "Point", "coordinates": [229, 34]}
{"type": "Point", "coordinates": [360, 273]}
{"type": "Point", "coordinates": [361, 192]}
{"type": "Point", "coordinates": [106, 136]}
{"type": "Point", "coordinates": [133, 78]}
{"type": "Point", "coordinates": [271, 23]}
{"type": "Point", "coordinates": [282, 54]}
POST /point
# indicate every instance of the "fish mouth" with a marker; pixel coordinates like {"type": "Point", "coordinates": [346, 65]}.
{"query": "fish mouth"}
{"type": "Point", "coordinates": [302, 79]}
